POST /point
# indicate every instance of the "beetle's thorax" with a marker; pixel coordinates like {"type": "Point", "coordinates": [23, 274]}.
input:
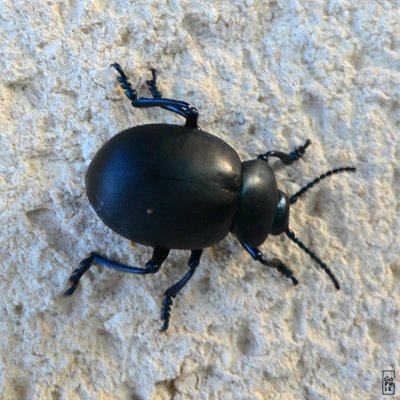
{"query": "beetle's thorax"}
{"type": "Point", "coordinates": [259, 198]}
{"type": "Point", "coordinates": [281, 221]}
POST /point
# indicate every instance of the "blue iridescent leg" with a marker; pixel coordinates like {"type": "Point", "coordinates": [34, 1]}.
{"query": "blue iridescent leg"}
{"type": "Point", "coordinates": [152, 85]}
{"type": "Point", "coordinates": [286, 158]}
{"type": "Point", "coordinates": [171, 292]}
{"type": "Point", "coordinates": [179, 107]}
{"type": "Point", "coordinates": [274, 263]}
{"type": "Point", "coordinates": [152, 266]}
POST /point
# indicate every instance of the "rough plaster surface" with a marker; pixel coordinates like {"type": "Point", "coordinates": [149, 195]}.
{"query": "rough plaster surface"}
{"type": "Point", "coordinates": [265, 75]}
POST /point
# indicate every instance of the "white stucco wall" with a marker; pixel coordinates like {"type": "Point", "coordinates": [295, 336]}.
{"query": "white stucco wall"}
{"type": "Point", "coordinates": [265, 75]}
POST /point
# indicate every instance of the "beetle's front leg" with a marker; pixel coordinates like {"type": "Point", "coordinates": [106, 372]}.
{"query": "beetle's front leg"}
{"type": "Point", "coordinates": [274, 263]}
{"type": "Point", "coordinates": [152, 266]}
{"type": "Point", "coordinates": [171, 292]}
{"type": "Point", "coordinates": [286, 158]}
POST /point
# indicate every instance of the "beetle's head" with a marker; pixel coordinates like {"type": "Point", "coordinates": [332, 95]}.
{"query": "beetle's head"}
{"type": "Point", "coordinates": [281, 220]}
{"type": "Point", "coordinates": [263, 209]}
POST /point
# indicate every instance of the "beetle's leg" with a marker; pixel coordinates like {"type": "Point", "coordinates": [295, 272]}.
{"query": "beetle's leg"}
{"type": "Point", "coordinates": [274, 263]}
{"type": "Point", "coordinates": [152, 85]}
{"type": "Point", "coordinates": [176, 106]}
{"type": "Point", "coordinates": [171, 292]}
{"type": "Point", "coordinates": [152, 266]}
{"type": "Point", "coordinates": [130, 93]}
{"type": "Point", "coordinates": [286, 158]}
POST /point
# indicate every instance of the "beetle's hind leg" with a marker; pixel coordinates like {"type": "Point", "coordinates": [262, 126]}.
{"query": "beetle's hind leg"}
{"type": "Point", "coordinates": [152, 85]}
{"type": "Point", "coordinates": [177, 106]}
{"type": "Point", "coordinates": [286, 158]}
{"type": "Point", "coordinates": [171, 292]}
{"type": "Point", "coordinates": [130, 93]}
{"type": "Point", "coordinates": [152, 266]}
{"type": "Point", "coordinates": [274, 263]}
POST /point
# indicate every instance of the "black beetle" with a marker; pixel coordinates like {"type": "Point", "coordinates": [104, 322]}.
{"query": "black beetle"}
{"type": "Point", "coordinates": [179, 187]}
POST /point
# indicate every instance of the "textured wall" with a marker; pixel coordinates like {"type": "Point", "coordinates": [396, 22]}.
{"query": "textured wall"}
{"type": "Point", "coordinates": [265, 75]}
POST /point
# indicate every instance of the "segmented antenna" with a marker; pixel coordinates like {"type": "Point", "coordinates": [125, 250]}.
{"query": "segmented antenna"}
{"type": "Point", "coordinates": [304, 189]}
{"type": "Point", "coordinates": [299, 243]}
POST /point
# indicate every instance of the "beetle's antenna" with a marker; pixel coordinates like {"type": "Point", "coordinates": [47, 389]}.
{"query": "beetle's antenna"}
{"type": "Point", "coordinates": [304, 189]}
{"type": "Point", "coordinates": [299, 243]}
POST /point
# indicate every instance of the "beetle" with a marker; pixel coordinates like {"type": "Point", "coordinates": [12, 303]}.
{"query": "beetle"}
{"type": "Point", "coordinates": [179, 187]}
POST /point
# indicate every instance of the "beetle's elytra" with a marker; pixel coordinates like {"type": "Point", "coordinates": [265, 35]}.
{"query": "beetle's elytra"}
{"type": "Point", "coordinates": [179, 187]}
{"type": "Point", "coordinates": [153, 185]}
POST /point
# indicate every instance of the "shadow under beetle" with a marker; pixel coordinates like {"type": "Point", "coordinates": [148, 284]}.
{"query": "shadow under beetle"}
{"type": "Point", "coordinates": [179, 187]}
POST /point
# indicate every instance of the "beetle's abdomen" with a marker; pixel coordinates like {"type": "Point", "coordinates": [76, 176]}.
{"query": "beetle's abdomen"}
{"type": "Point", "coordinates": [166, 185]}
